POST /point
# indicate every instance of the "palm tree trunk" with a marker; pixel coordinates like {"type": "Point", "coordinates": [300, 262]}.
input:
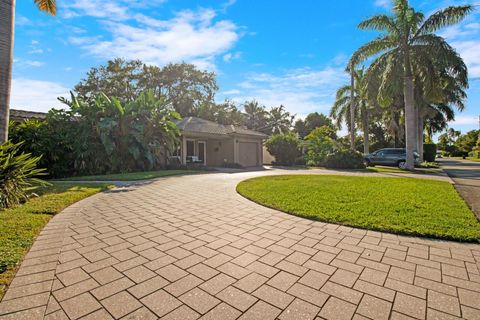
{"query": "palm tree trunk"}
{"type": "Point", "coordinates": [7, 24]}
{"type": "Point", "coordinates": [352, 109]}
{"type": "Point", "coordinates": [366, 142]}
{"type": "Point", "coordinates": [420, 136]}
{"type": "Point", "coordinates": [410, 129]}
{"type": "Point", "coordinates": [417, 137]}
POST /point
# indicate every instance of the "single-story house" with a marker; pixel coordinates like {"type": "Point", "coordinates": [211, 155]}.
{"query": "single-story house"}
{"type": "Point", "coordinates": [212, 144]}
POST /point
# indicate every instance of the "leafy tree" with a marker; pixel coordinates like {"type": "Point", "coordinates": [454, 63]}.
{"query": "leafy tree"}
{"type": "Point", "coordinates": [321, 142]}
{"type": "Point", "coordinates": [181, 84]}
{"type": "Point", "coordinates": [118, 78]}
{"type": "Point", "coordinates": [279, 120]}
{"type": "Point", "coordinates": [7, 27]}
{"type": "Point", "coordinates": [467, 142]}
{"type": "Point", "coordinates": [100, 135]}
{"type": "Point", "coordinates": [312, 121]}
{"type": "Point", "coordinates": [285, 147]}
{"type": "Point", "coordinates": [407, 43]}
{"type": "Point", "coordinates": [256, 116]}
{"type": "Point", "coordinates": [446, 141]}
{"type": "Point", "coordinates": [224, 113]}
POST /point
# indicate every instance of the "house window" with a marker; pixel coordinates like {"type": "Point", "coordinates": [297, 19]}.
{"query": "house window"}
{"type": "Point", "coordinates": [190, 148]}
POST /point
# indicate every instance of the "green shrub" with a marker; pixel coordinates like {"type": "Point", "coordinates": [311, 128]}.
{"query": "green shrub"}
{"type": "Point", "coordinates": [18, 173]}
{"type": "Point", "coordinates": [429, 152]}
{"type": "Point", "coordinates": [284, 147]}
{"type": "Point", "coordinates": [100, 135]}
{"type": "Point", "coordinates": [345, 159]}
{"type": "Point", "coordinates": [320, 144]}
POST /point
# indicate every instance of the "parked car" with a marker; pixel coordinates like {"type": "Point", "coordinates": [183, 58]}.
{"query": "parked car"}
{"type": "Point", "coordinates": [439, 154]}
{"type": "Point", "coordinates": [389, 157]}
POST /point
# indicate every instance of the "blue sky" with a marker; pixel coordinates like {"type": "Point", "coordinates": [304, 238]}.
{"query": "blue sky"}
{"type": "Point", "coordinates": [282, 52]}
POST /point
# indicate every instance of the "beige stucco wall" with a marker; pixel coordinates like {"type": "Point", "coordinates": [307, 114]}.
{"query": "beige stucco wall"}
{"type": "Point", "coordinates": [267, 157]}
{"type": "Point", "coordinates": [219, 150]}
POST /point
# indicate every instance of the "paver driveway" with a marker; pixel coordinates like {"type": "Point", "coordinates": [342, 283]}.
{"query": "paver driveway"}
{"type": "Point", "coordinates": [190, 247]}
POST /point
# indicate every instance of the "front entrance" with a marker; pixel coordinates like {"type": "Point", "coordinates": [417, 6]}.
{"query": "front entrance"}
{"type": "Point", "coordinates": [196, 152]}
{"type": "Point", "coordinates": [202, 152]}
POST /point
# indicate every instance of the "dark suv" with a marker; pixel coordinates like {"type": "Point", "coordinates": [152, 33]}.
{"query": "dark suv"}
{"type": "Point", "coordinates": [389, 157]}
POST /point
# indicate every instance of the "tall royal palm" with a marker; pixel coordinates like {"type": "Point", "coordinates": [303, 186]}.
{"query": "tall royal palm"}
{"type": "Point", "coordinates": [7, 26]}
{"type": "Point", "coordinates": [409, 41]}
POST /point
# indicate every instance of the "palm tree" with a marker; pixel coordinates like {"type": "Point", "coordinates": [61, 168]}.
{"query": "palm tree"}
{"type": "Point", "coordinates": [346, 109]}
{"type": "Point", "coordinates": [255, 114]}
{"type": "Point", "coordinates": [407, 42]}
{"type": "Point", "coordinates": [7, 26]}
{"type": "Point", "coordinates": [279, 120]}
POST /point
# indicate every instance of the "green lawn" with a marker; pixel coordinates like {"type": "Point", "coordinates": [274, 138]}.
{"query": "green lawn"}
{"type": "Point", "coordinates": [399, 205]}
{"type": "Point", "coordinates": [20, 225]}
{"type": "Point", "coordinates": [132, 176]}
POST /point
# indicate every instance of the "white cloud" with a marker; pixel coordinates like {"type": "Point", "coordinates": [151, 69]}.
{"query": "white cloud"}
{"type": "Point", "coordinates": [227, 4]}
{"type": "Point", "coordinates": [301, 91]}
{"type": "Point", "coordinates": [110, 9]}
{"type": "Point", "coordinates": [34, 48]}
{"type": "Point", "coordinates": [465, 120]}
{"type": "Point", "coordinates": [191, 36]}
{"type": "Point", "coordinates": [383, 3]}
{"type": "Point", "coordinates": [465, 38]}
{"type": "Point", "coordinates": [22, 21]}
{"type": "Point", "coordinates": [469, 50]}
{"type": "Point", "coordinates": [36, 95]}
{"type": "Point", "coordinates": [25, 63]}
{"type": "Point", "coordinates": [231, 56]}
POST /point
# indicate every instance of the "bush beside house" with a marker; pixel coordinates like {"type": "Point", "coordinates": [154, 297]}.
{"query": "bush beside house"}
{"type": "Point", "coordinates": [99, 135]}
{"type": "Point", "coordinates": [320, 143]}
{"type": "Point", "coordinates": [285, 147]}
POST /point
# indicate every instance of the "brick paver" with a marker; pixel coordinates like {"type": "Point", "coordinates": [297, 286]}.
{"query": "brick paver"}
{"type": "Point", "coordinates": [191, 248]}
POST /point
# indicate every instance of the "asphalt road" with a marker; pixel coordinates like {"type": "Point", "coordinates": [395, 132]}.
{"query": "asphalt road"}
{"type": "Point", "coordinates": [466, 175]}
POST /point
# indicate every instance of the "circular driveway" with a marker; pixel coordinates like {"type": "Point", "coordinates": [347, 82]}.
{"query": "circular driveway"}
{"type": "Point", "coordinates": [190, 247]}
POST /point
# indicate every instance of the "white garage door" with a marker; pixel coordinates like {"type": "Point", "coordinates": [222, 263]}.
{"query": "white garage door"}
{"type": "Point", "coordinates": [248, 152]}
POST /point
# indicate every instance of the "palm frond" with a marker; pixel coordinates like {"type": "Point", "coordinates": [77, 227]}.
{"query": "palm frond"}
{"type": "Point", "coordinates": [372, 48]}
{"type": "Point", "coordinates": [342, 91]}
{"type": "Point", "coordinates": [380, 22]}
{"type": "Point", "coordinates": [47, 6]}
{"type": "Point", "coordinates": [444, 18]}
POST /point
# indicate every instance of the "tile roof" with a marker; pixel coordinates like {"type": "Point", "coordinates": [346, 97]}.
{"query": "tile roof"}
{"type": "Point", "coordinates": [198, 125]}
{"type": "Point", "coordinates": [21, 115]}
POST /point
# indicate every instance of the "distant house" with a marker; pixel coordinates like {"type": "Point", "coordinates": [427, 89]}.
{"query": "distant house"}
{"type": "Point", "coordinates": [211, 144]}
{"type": "Point", "coordinates": [22, 115]}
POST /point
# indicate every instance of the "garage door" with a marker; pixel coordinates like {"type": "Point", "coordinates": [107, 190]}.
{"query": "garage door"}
{"type": "Point", "coordinates": [248, 152]}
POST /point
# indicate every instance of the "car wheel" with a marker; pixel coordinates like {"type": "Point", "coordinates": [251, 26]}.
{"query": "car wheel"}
{"type": "Point", "coordinates": [402, 164]}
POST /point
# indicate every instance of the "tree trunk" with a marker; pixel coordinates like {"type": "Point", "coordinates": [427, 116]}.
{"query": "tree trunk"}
{"type": "Point", "coordinates": [410, 129]}
{"type": "Point", "coordinates": [366, 142]}
{"type": "Point", "coordinates": [352, 109]}
{"type": "Point", "coordinates": [420, 136]}
{"type": "Point", "coordinates": [7, 24]}
{"type": "Point", "coordinates": [417, 137]}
